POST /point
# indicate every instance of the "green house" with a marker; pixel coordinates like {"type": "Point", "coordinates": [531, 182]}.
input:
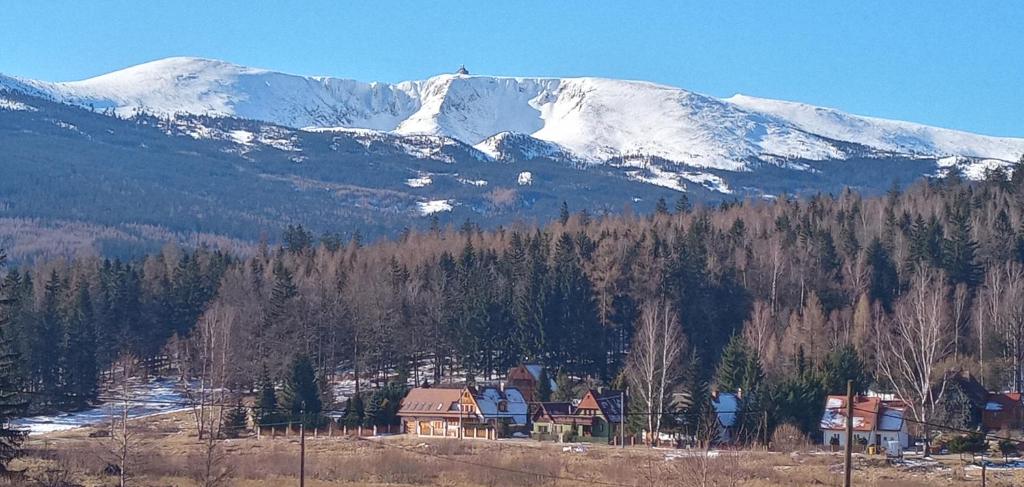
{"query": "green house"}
{"type": "Point", "coordinates": [596, 418]}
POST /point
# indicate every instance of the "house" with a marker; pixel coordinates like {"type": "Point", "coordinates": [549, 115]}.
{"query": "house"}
{"type": "Point", "coordinates": [1003, 411]}
{"type": "Point", "coordinates": [552, 420]}
{"type": "Point", "coordinates": [526, 378]}
{"type": "Point", "coordinates": [727, 411]}
{"type": "Point", "coordinates": [875, 422]}
{"type": "Point", "coordinates": [596, 418]}
{"type": "Point", "coordinates": [605, 408]}
{"type": "Point", "coordinates": [465, 412]}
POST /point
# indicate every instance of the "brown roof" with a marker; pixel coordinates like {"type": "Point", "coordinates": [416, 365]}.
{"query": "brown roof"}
{"type": "Point", "coordinates": [869, 414]}
{"type": "Point", "coordinates": [430, 401]}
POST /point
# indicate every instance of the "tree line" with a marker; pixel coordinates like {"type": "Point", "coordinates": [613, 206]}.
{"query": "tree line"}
{"type": "Point", "coordinates": [782, 300]}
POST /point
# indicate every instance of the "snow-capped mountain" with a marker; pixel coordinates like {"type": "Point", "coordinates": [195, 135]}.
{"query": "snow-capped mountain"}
{"type": "Point", "coordinates": [592, 119]}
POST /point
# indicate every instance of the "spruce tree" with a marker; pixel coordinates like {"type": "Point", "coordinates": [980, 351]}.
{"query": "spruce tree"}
{"type": "Point", "coordinates": [732, 368]}
{"type": "Point", "coordinates": [884, 277]}
{"type": "Point", "coordinates": [841, 365]}
{"type": "Point", "coordinates": [661, 207]}
{"type": "Point", "coordinates": [235, 421]}
{"type": "Point", "coordinates": [302, 392]}
{"type": "Point", "coordinates": [563, 213]}
{"type": "Point", "coordinates": [267, 410]}
{"type": "Point", "coordinates": [543, 392]}
{"type": "Point", "coordinates": [80, 369]}
{"type": "Point", "coordinates": [959, 249]}
{"type": "Point", "coordinates": [11, 405]}
{"type": "Point", "coordinates": [683, 205]}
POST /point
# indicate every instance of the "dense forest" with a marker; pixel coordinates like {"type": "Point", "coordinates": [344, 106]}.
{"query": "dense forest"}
{"type": "Point", "coordinates": [783, 299]}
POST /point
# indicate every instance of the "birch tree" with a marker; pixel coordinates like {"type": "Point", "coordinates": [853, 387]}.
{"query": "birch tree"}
{"type": "Point", "coordinates": [919, 337]}
{"type": "Point", "coordinates": [654, 361]}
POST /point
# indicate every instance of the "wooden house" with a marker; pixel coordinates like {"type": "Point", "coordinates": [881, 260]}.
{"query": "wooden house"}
{"type": "Point", "coordinates": [1003, 411]}
{"type": "Point", "coordinates": [465, 412]}
{"type": "Point", "coordinates": [526, 378]}
{"type": "Point", "coordinates": [595, 418]}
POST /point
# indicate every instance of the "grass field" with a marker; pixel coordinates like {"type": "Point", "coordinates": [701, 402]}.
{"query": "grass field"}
{"type": "Point", "coordinates": [165, 451]}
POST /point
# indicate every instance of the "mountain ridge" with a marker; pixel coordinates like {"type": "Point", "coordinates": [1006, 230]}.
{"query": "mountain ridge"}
{"type": "Point", "coordinates": [596, 119]}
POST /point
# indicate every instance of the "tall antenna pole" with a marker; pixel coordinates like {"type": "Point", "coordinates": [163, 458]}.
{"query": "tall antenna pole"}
{"type": "Point", "coordinates": [848, 463]}
{"type": "Point", "coordinates": [302, 446]}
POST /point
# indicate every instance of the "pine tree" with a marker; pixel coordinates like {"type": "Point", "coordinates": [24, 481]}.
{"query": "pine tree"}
{"type": "Point", "coordinates": [267, 411]}
{"type": "Point", "coordinates": [45, 343]}
{"type": "Point", "coordinates": [959, 249]}
{"type": "Point", "coordinates": [302, 392]}
{"type": "Point", "coordinates": [11, 405]}
{"type": "Point", "coordinates": [543, 386]}
{"type": "Point", "coordinates": [841, 365]}
{"type": "Point", "coordinates": [236, 421]}
{"type": "Point", "coordinates": [564, 388]}
{"type": "Point", "coordinates": [683, 205]}
{"type": "Point", "coordinates": [731, 374]}
{"type": "Point", "coordinates": [80, 369]}
{"type": "Point", "coordinates": [661, 207]}
{"type": "Point", "coordinates": [563, 213]}
{"type": "Point", "coordinates": [884, 278]}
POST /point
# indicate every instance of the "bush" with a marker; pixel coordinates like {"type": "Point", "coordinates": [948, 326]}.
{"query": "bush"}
{"type": "Point", "coordinates": [1008, 447]}
{"type": "Point", "coordinates": [569, 436]}
{"type": "Point", "coordinates": [971, 443]}
{"type": "Point", "coordinates": [789, 438]}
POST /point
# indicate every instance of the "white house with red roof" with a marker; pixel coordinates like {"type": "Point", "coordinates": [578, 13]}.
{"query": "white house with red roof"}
{"type": "Point", "coordinates": [875, 422]}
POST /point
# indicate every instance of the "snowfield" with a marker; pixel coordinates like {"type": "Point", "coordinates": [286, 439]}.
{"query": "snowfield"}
{"type": "Point", "coordinates": [159, 396]}
{"type": "Point", "coordinates": [590, 119]}
{"type": "Point", "coordinates": [434, 206]}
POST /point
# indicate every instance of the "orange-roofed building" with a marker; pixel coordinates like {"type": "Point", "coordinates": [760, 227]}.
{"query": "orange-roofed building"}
{"type": "Point", "coordinates": [875, 422]}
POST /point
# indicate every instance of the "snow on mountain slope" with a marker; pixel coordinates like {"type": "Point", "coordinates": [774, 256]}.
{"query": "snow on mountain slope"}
{"type": "Point", "coordinates": [595, 119]}
{"type": "Point", "coordinates": [882, 134]}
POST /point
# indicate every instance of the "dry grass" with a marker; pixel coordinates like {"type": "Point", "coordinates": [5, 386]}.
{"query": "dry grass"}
{"type": "Point", "coordinates": [170, 455]}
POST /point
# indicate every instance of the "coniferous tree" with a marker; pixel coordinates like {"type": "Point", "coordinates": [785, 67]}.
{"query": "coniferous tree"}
{"type": "Point", "coordinates": [959, 248]}
{"type": "Point", "coordinates": [302, 392]}
{"type": "Point", "coordinates": [563, 213]}
{"type": "Point", "coordinates": [543, 392]}
{"type": "Point", "coordinates": [267, 411]}
{"type": "Point", "coordinates": [11, 405]}
{"type": "Point", "coordinates": [683, 205]}
{"type": "Point", "coordinates": [731, 374]}
{"type": "Point", "coordinates": [235, 421]}
{"type": "Point", "coordinates": [661, 207]}
{"type": "Point", "coordinates": [80, 369]}
{"type": "Point", "coordinates": [884, 277]}
{"type": "Point", "coordinates": [841, 365]}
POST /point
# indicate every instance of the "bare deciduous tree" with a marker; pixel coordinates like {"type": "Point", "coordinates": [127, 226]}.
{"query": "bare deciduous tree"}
{"type": "Point", "coordinates": [653, 367]}
{"type": "Point", "coordinates": [919, 338]}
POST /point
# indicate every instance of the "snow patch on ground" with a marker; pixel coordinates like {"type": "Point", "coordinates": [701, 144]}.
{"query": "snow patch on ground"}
{"type": "Point", "coordinates": [160, 396]}
{"type": "Point", "coordinates": [419, 181]}
{"type": "Point", "coordinates": [473, 182]}
{"type": "Point", "coordinates": [710, 181]}
{"type": "Point", "coordinates": [973, 169]}
{"type": "Point", "coordinates": [16, 106]}
{"type": "Point", "coordinates": [525, 178]}
{"type": "Point", "coordinates": [434, 206]}
{"type": "Point", "coordinates": [658, 177]}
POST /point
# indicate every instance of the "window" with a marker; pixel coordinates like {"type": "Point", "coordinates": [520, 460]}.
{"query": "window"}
{"type": "Point", "coordinates": [503, 406]}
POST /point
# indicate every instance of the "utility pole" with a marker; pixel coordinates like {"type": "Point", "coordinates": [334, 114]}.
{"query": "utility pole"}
{"type": "Point", "coordinates": [622, 419]}
{"type": "Point", "coordinates": [848, 464]}
{"type": "Point", "coordinates": [302, 446]}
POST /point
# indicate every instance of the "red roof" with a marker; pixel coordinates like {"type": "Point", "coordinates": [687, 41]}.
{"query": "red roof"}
{"type": "Point", "coordinates": [869, 414]}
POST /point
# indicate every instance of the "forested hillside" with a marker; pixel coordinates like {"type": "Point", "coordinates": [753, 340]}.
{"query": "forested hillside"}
{"type": "Point", "coordinates": [785, 300]}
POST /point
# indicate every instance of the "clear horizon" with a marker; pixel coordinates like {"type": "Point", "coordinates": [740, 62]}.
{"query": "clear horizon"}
{"type": "Point", "coordinates": [958, 66]}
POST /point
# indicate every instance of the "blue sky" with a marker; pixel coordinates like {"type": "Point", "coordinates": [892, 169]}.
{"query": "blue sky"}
{"type": "Point", "coordinates": [949, 63]}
